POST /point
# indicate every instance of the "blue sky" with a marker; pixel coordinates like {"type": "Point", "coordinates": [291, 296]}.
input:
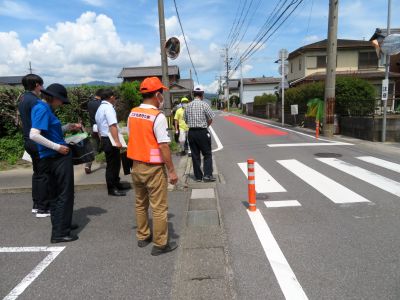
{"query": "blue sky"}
{"type": "Point", "coordinates": [81, 40]}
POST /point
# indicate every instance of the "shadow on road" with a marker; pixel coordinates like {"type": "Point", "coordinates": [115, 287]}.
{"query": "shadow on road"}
{"type": "Point", "coordinates": [82, 216]}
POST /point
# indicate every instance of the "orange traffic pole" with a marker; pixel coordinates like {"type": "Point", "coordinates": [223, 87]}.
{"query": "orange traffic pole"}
{"type": "Point", "coordinates": [317, 129]}
{"type": "Point", "coordinates": [251, 184]}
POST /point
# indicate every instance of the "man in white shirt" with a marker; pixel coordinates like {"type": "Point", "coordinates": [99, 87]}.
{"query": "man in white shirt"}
{"type": "Point", "coordinates": [106, 120]}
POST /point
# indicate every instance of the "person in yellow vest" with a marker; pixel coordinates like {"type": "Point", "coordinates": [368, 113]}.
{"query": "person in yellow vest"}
{"type": "Point", "coordinates": [181, 127]}
{"type": "Point", "coordinates": [148, 147]}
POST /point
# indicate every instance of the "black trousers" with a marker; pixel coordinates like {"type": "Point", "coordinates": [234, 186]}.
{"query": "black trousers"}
{"type": "Point", "coordinates": [113, 160]}
{"type": "Point", "coordinates": [40, 179]}
{"type": "Point", "coordinates": [61, 180]}
{"type": "Point", "coordinates": [200, 143]}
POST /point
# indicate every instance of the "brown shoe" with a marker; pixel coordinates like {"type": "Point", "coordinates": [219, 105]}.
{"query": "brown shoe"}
{"type": "Point", "coordinates": [88, 170]}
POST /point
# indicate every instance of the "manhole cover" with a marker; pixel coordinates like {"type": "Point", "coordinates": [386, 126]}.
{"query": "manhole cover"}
{"type": "Point", "coordinates": [328, 154]}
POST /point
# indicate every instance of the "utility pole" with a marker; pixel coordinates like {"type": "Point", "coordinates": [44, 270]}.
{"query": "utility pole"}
{"type": "Point", "coordinates": [164, 59]}
{"type": "Point", "coordinates": [387, 70]}
{"type": "Point", "coordinates": [330, 81]}
{"type": "Point", "coordinates": [283, 59]}
{"type": "Point", "coordinates": [30, 68]}
{"type": "Point", "coordinates": [227, 77]}
{"type": "Point", "coordinates": [241, 84]}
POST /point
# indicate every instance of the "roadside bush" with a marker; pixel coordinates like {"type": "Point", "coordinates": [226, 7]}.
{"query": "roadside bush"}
{"type": "Point", "coordinates": [234, 100]}
{"type": "Point", "coordinates": [354, 96]}
{"type": "Point", "coordinates": [9, 120]}
{"type": "Point", "coordinates": [129, 97]}
{"type": "Point", "coordinates": [11, 148]}
{"type": "Point", "coordinates": [264, 99]}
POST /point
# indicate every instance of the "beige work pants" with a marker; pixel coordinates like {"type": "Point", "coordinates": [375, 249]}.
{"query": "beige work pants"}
{"type": "Point", "coordinates": [151, 183]}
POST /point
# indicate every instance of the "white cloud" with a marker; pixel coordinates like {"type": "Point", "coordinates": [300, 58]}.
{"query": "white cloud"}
{"type": "Point", "coordinates": [89, 48]}
{"type": "Point", "coordinates": [94, 2]}
{"type": "Point", "coordinates": [311, 39]}
{"type": "Point", "coordinates": [19, 10]}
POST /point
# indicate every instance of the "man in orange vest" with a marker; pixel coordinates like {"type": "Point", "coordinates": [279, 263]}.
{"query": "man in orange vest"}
{"type": "Point", "coordinates": [148, 147]}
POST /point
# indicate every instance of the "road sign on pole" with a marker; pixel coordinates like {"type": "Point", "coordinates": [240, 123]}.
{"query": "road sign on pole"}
{"type": "Point", "coordinates": [385, 89]}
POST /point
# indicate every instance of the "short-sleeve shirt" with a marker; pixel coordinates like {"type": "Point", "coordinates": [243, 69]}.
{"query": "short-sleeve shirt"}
{"type": "Point", "coordinates": [198, 113]}
{"type": "Point", "coordinates": [105, 117]}
{"type": "Point", "coordinates": [50, 126]}
{"type": "Point", "coordinates": [180, 117]}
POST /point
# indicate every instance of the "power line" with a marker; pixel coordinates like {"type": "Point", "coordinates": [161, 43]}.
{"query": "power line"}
{"type": "Point", "coordinates": [184, 38]}
{"type": "Point", "coordinates": [264, 27]}
{"type": "Point", "coordinates": [234, 21]}
{"type": "Point", "coordinates": [235, 30]}
{"type": "Point", "coordinates": [264, 37]}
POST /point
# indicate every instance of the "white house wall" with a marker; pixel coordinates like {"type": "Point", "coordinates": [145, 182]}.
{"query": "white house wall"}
{"type": "Point", "coordinates": [251, 91]}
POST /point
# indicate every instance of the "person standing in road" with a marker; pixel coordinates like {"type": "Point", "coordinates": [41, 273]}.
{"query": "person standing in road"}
{"type": "Point", "coordinates": [198, 117]}
{"type": "Point", "coordinates": [181, 128]}
{"type": "Point", "coordinates": [148, 147]}
{"type": "Point", "coordinates": [33, 85]}
{"type": "Point", "coordinates": [55, 160]}
{"type": "Point", "coordinates": [92, 107]}
{"type": "Point", "coordinates": [106, 120]}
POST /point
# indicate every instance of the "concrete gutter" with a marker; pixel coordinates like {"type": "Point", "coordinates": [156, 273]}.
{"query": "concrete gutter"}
{"type": "Point", "coordinates": [202, 269]}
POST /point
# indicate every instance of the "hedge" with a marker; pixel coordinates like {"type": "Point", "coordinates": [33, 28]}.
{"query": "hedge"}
{"type": "Point", "coordinates": [11, 140]}
{"type": "Point", "coordinates": [264, 99]}
{"type": "Point", "coordinates": [354, 96]}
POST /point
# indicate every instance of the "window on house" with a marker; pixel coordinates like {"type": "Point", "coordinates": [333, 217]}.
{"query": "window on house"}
{"type": "Point", "coordinates": [367, 60]}
{"type": "Point", "coordinates": [321, 62]}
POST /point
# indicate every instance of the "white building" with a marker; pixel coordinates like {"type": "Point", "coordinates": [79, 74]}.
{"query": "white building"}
{"type": "Point", "coordinates": [253, 87]}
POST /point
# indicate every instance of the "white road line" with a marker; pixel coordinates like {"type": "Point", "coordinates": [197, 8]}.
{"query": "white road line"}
{"type": "Point", "coordinates": [265, 183]}
{"type": "Point", "coordinates": [381, 163]}
{"type": "Point", "coordinates": [287, 280]}
{"type": "Point", "coordinates": [20, 288]}
{"type": "Point", "coordinates": [217, 140]}
{"type": "Point", "coordinates": [308, 144]}
{"type": "Point", "coordinates": [372, 178]}
{"type": "Point", "coordinates": [282, 203]}
{"type": "Point", "coordinates": [336, 192]}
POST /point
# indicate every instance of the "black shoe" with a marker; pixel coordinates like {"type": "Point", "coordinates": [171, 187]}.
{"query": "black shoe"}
{"type": "Point", "coordinates": [74, 226]}
{"type": "Point", "coordinates": [64, 239]}
{"type": "Point", "coordinates": [209, 179]}
{"type": "Point", "coordinates": [43, 213]}
{"type": "Point", "coordinates": [198, 179]}
{"type": "Point", "coordinates": [161, 250]}
{"type": "Point", "coordinates": [124, 186]}
{"type": "Point", "coordinates": [144, 243]}
{"type": "Point", "coordinates": [116, 192]}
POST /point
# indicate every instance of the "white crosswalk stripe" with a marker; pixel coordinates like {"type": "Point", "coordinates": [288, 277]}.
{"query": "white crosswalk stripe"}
{"type": "Point", "coordinates": [372, 178]}
{"type": "Point", "coordinates": [265, 183]}
{"type": "Point", "coordinates": [334, 191]}
{"type": "Point", "coordinates": [381, 163]}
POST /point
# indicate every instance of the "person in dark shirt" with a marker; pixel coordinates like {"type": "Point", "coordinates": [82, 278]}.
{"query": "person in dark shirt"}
{"type": "Point", "coordinates": [33, 84]}
{"type": "Point", "coordinates": [92, 108]}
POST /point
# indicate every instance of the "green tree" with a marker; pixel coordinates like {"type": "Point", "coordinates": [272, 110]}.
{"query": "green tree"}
{"type": "Point", "coordinates": [130, 97]}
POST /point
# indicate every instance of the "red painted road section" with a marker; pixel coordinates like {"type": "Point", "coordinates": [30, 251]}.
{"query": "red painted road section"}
{"type": "Point", "coordinates": [255, 128]}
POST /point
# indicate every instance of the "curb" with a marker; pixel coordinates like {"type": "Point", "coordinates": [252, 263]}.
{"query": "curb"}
{"type": "Point", "coordinates": [28, 189]}
{"type": "Point", "coordinates": [202, 268]}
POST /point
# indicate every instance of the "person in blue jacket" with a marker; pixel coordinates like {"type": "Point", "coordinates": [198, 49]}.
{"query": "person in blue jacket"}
{"type": "Point", "coordinates": [55, 160]}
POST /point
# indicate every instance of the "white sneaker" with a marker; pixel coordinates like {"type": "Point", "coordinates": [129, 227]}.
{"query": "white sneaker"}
{"type": "Point", "coordinates": [43, 214]}
{"type": "Point", "coordinates": [34, 210]}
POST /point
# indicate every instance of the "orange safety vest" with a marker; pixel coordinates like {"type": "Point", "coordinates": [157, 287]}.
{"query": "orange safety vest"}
{"type": "Point", "coordinates": [142, 144]}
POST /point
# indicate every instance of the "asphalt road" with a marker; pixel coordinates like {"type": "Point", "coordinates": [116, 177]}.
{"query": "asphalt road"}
{"type": "Point", "coordinates": [105, 263]}
{"type": "Point", "coordinates": [335, 247]}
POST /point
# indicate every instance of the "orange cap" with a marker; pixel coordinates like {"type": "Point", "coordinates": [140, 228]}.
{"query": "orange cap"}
{"type": "Point", "coordinates": [151, 84]}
